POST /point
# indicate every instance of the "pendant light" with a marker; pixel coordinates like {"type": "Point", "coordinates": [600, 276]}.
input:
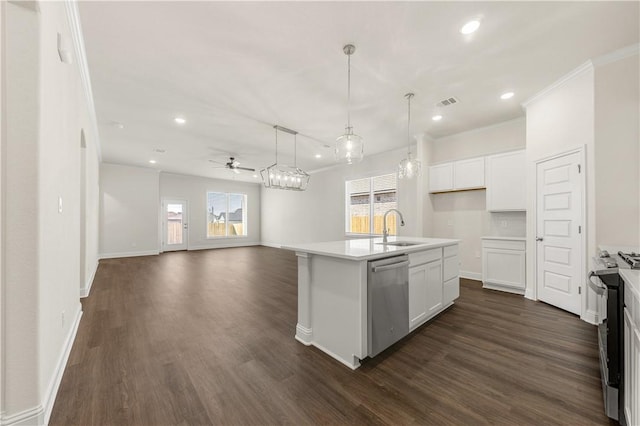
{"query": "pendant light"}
{"type": "Point", "coordinates": [409, 167]}
{"type": "Point", "coordinates": [280, 176]}
{"type": "Point", "coordinates": [349, 147]}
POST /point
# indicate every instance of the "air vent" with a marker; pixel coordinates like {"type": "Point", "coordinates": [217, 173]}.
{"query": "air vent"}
{"type": "Point", "coordinates": [447, 102]}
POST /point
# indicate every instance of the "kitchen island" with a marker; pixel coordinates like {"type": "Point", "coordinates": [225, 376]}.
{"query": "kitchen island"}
{"type": "Point", "coordinates": [333, 289]}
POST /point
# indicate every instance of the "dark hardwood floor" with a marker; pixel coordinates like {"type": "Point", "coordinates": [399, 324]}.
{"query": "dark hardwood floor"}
{"type": "Point", "coordinates": [207, 337]}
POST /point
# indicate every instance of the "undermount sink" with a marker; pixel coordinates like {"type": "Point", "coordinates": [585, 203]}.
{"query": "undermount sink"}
{"type": "Point", "coordinates": [399, 243]}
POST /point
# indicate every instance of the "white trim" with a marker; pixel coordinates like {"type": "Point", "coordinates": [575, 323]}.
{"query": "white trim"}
{"type": "Point", "coordinates": [84, 291]}
{"type": "Point", "coordinates": [304, 335]}
{"type": "Point", "coordinates": [54, 384]}
{"type": "Point", "coordinates": [590, 316]}
{"type": "Point", "coordinates": [587, 66]}
{"type": "Point", "coordinates": [29, 417]}
{"type": "Point", "coordinates": [73, 18]}
{"type": "Point", "coordinates": [338, 358]}
{"type": "Point", "coordinates": [480, 129]}
{"type": "Point", "coordinates": [617, 55]}
{"type": "Point", "coordinates": [227, 244]}
{"type": "Point", "coordinates": [471, 275]}
{"type": "Point", "coordinates": [274, 245]}
{"type": "Point", "coordinates": [505, 288]}
{"type": "Point", "coordinates": [129, 254]}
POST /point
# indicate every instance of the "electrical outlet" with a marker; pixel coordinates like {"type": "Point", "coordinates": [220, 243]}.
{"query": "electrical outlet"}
{"type": "Point", "coordinates": [504, 223]}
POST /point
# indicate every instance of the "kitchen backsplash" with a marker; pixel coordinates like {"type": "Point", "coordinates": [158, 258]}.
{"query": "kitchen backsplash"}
{"type": "Point", "coordinates": [508, 224]}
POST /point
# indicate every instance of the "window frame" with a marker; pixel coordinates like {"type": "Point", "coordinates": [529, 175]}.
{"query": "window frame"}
{"type": "Point", "coordinates": [347, 199]}
{"type": "Point", "coordinates": [245, 224]}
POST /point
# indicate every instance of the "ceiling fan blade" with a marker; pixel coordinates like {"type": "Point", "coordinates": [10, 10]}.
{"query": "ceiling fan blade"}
{"type": "Point", "coordinates": [244, 168]}
{"type": "Point", "coordinates": [218, 162]}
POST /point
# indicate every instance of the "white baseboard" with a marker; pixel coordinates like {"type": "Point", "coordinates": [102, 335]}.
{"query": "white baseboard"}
{"type": "Point", "coordinates": [84, 291]}
{"type": "Point", "coordinates": [54, 384]}
{"type": "Point", "coordinates": [274, 245]}
{"type": "Point", "coordinates": [40, 414]}
{"type": "Point", "coordinates": [32, 416]}
{"type": "Point", "coordinates": [590, 316]}
{"type": "Point", "coordinates": [226, 244]}
{"type": "Point", "coordinates": [471, 275]}
{"type": "Point", "coordinates": [528, 293]}
{"type": "Point", "coordinates": [129, 254]}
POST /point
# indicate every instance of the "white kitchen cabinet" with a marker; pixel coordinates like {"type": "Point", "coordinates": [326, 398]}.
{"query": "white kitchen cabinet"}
{"type": "Point", "coordinates": [450, 273]}
{"type": "Point", "coordinates": [457, 175]}
{"type": "Point", "coordinates": [417, 295]}
{"type": "Point", "coordinates": [468, 174]}
{"type": "Point", "coordinates": [434, 287]}
{"type": "Point", "coordinates": [506, 182]}
{"type": "Point", "coordinates": [503, 264]}
{"type": "Point", "coordinates": [441, 177]}
{"type": "Point", "coordinates": [631, 382]}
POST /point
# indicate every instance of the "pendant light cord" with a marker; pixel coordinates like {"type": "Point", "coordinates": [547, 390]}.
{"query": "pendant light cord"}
{"type": "Point", "coordinates": [409, 96]}
{"type": "Point", "coordinates": [295, 151]}
{"type": "Point", "coordinates": [275, 127]}
{"type": "Point", "coordinates": [349, 91]}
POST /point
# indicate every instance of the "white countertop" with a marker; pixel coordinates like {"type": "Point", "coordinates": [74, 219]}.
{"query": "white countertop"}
{"type": "Point", "coordinates": [368, 248]}
{"type": "Point", "coordinates": [505, 238]}
{"type": "Point", "coordinates": [631, 278]}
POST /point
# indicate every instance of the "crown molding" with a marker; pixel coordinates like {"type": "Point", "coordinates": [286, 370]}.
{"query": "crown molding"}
{"type": "Point", "coordinates": [587, 66]}
{"type": "Point", "coordinates": [617, 55]}
{"type": "Point", "coordinates": [73, 17]}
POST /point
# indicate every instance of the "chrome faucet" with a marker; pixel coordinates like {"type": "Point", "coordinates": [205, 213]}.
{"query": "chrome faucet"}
{"type": "Point", "coordinates": [385, 232]}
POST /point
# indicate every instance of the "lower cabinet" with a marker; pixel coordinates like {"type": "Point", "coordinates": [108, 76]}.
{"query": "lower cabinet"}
{"type": "Point", "coordinates": [503, 265]}
{"type": "Point", "coordinates": [433, 283]}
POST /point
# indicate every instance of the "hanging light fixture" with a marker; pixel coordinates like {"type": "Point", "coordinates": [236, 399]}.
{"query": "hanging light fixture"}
{"type": "Point", "coordinates": [409, 167]}
{"type": "Point", "coordinates": [280, 176]}
{"type": "Point", "coordinates": [349, 147]}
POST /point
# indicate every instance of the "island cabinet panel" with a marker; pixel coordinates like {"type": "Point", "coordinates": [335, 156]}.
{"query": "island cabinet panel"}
{"type": "Point", "coordinates": [417, 295]}
{"type": "Point", "coordinates": [450, 273]}
{"type": "Point", "coordinates": [434, 287]}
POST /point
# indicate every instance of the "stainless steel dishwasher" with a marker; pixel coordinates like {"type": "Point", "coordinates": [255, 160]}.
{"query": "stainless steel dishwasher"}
{"type": "Point", "coordinates": [387, 302]}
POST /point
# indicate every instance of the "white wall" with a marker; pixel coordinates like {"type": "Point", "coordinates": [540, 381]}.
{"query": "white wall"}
{"type": "Point", "coordinates": [559, 120]}
{"type": "Point", "coordinates": [43, 112]}
{"type": "Point", "coordinates": [463, 214]}
{"type": "Point", "coordinates": [194, 191]}
{"type": "Point", "coordinates": [129, 211]}
{"type": "Point", "coordinates": [617, 153]}
{"type": "Point", "coordinates": [318, 214]}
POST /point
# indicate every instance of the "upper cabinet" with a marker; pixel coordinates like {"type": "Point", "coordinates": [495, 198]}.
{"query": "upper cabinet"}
{"type": "Point", "coordinates": [457, 175]}
{"type": "Point", "coordinates": [506, 182]}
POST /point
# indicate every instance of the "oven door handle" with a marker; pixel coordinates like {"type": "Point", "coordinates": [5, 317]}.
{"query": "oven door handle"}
{"type": "Point", "coordinates": [597, 287]}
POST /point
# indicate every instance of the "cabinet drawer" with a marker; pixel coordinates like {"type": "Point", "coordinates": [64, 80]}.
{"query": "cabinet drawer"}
{"type": "Point", "coordinates": [451, 250]}
{"type": "Point", "coordinates": [451, 268]}
{"type": "Point", "coordinates": [422, 257]}
{"type": "Point", "coordinates": [504, 244]}
{"type": "Point", "coordinates": [451, 290]}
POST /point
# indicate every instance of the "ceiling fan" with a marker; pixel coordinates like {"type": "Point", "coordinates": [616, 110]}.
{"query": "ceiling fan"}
{"type": "Point", "coordinates": [233, 165]}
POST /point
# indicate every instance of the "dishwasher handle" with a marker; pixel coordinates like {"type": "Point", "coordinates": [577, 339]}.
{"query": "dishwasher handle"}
{"type": "Point", "coordinates": [392, 266]}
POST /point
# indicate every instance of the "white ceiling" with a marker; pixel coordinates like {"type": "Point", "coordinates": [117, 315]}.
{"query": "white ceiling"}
{"type": "Point", "coordinates": [234, 69]}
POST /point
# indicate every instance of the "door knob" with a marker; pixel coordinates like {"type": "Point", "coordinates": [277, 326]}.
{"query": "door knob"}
{"type": "Point", "coordinates": [539, 238]}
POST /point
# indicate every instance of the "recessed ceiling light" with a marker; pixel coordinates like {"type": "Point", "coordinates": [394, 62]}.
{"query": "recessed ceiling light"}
{"type": "Point", "coordinates": [436, 117]}
{"type": "Point", "coordinates": [507, 95]}
{"type": "Point", "coordinates": [470, 27]}
{"type": "Point", "coordinates": [117, 125]}
{"type": "Point", "coordinates": [152, 161]}
{"type": "Point", "coordinates": [255, 176]}
{"type": "Point", "coordinates": [179, 120]}
{"type": "Point", "coordinates": [318, 155]}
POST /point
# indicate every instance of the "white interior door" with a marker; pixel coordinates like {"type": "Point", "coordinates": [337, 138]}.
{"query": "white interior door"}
{"type": "Point", "coordinates": [175, 222]}
{"type": "Point", "coordinates": [559, 213]}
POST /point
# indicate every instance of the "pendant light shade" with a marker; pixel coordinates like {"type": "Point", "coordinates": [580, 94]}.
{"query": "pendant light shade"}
{"type": "Point", "coordinates": [349, 146]}
{"type": "Point", "coordinates": [280, 176]}
{"type": "Point", "coordinates": [409, 167]}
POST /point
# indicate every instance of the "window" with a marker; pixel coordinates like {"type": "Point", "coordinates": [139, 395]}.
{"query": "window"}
{"type": "Point", "coordinates": [226, 215]}
{"type": "Point", "coordinates": [371, 198]}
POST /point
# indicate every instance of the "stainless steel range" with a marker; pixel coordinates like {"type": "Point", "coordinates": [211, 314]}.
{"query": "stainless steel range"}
{"type": "Point", "coordinates": [633, 259]}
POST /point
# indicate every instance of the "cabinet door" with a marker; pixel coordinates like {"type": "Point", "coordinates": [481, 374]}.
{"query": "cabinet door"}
{"type": "Point", "coordinates": [417, 295]}
{"type": "Point", "coordinates": [503, 267]}
{"type": "Point", "coordinates": [434, 287]}
{"type": "Point", "coordinates": [441, 177]}
{"type": "Point", "coordinates": [506, 182]}
{"type": "Point", "coordinates": [468, 173]}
